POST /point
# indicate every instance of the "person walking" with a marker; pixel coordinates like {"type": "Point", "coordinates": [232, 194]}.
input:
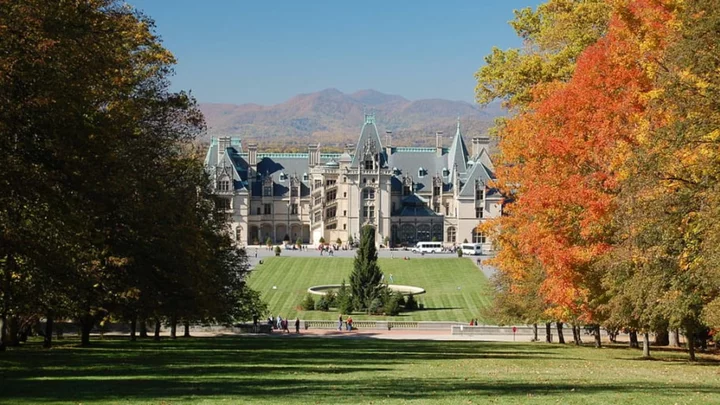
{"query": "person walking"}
{"type": "Point", "coordinates": [391, 279]}
{"type": "Point", "coordinates": [297, 325]}
{"type": "Point", "coordinates": [349, 322]}
{"type": "Point", "coordinates": [340, 322]}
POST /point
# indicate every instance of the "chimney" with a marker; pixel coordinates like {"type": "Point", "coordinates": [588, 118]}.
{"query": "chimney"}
{"type": "Point", "coordinates": [478, 144]}
{"type": "Point", "coordinates": [252, 154]}
{"type": "Point", "coordinates": [438, 143]}
{"type": "Point", "coordinates": [223, 144]}
{"type": "Point", "coordinates": [313, 155]}
{"type": "Point", "coordinates": [388, 143]}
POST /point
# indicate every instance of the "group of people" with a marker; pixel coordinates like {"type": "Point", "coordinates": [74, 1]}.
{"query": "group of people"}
{"type": "Point", "coordinates": [282, 324]}
{"type": "Point", "coordinates": [348, 323]}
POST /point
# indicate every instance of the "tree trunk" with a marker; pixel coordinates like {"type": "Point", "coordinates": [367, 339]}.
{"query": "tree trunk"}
{"type": "Point", "coordinates": [576, 335]}
{"type": "Point", "coordinates": [690, 336]}
{"type": "Point", "coordinates": [676, 337]}
{"type": "Point", "coordinates": [47, 342]}
{"type": "Point", "coordinates": [143, 328]}
{"type": "Point", "coordinates": [13, 329]}
{"type": "Point", "coordinates": [173, 327]}
{"type": "Point", "coordinates": [596, 334]}
{"type": "Point", "coordinates": [548, 332]}
{"type": "Point", "coordinates": [7, 297]}
{"type": "Point", "coordinates": [186, 324]}
{"type": "Point", "coordinates": [133, 329]}
{"type": "Point", "coordinates": [646, 345]}
{"type": "Point", "coordinates": [535, 332]}
{"type": "Point", "coordinates": [157, 329]}
{"type": "Point", "coordinates": [561, 338]}
{"type": "Point", "coordinates": [87, 322]}
{"type": "Point", "coordinates": [662, 337]}
{"type": "Point", "coordinates": [633, 339]}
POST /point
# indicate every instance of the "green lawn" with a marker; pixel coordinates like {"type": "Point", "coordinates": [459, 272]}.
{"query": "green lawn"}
{"type": "Point", "coordinates": [456, 290]}
{"type": "Point", "coordinates": [291, 370]}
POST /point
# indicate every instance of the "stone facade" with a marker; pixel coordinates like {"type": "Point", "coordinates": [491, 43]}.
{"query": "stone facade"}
{"type": "Point", "coordinates": [408, 194]}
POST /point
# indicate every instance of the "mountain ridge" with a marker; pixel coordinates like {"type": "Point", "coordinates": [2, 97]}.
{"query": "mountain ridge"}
{"type": "Point", "coordinates": [334, 118]}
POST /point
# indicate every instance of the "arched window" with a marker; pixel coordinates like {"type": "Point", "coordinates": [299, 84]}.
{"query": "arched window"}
{"type": "Point", "coordinates": [451, 234]}
{"type": "Point", "coordinates": [423, 233]}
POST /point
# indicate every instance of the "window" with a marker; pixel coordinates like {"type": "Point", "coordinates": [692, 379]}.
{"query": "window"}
{"type": "Point", "coordinates": [368, 194]}
{"type": "Point", "coordinates": [305, 177]}
{"type": "Point", "coordinates": [344, 213]}
{"type": "Point", "coordinates": [223, 204]}
{"type": "Point", "coordinates": [258, 210]}
{"type": "Point", "coordinates": [344, 227]}
{"type": "Point", "coordinates": [364, 180]}
{"type": "Point", "coordinates": [437, 208]}
{"type": "Point", "coordinates": [447, 209]}
{"type": "Point", "coordinates": [238, 233]}
{"type": "Point", "coordinates": [283, 176]}
{"type": "Point", "coordinates": [373, 180]}
{"type": "Point", "coordinates": [406, 190]}
{"type": "Point", "coordinates": [479, 212]}
{"type": "Point", "coordinates": [224, 185]}
{"type": "Point", "coordinates": [344, 179]}
{"type": "Point", "coordinates": [422, 172]}
{"type": "Point", "coordinates": [318, 184]}
{"type": "Point", "coordinates": [331, 213]}
{"type": "Point", "coordinates": [294, 209]}
{"type": "Point", "coordinates": [318, 216]}
{"type": "Point", "coordinates": [331, 196]}
{"type": "Point", "coordinates": [480, 193]}
{"type": "Point", "coordinates": [446, 172]}
{"type": "Point", "coordinates": [267, 209]}
{"type": "Point", "coordinates": [294, 191]}
{"type": "Point", "coordinates": [369, 212]}
{"type": "Point", "coordinates": [267, 191]}
{"type": "Point", "coordinates": [345, 195]}
{"type": "Point", "coordinates": [368, 164]}
{"type": "Point", "coordinates": [436, 190]}
{"type": "Point", "coordinates": [451, 235]}
{"type": "Point", "coordinates": [329, 183]}
{"type": "Point", "coordinates": [478, 237]}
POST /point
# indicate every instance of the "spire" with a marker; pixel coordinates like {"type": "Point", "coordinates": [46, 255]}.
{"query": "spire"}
{"type": "Point", "coordinates": [457, 158]}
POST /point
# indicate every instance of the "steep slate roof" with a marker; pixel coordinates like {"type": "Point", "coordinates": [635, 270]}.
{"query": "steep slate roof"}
{"type": "Point", "coordinates": [408, 161]}
{"type": "Point", "coordinates": [369, 133]}
{"type": "Point", "coordinates": [458, 155]}
{"type": "Point", "coordinates": [290, 164]}
{"type": "Point", "coordinates": [477, 172]}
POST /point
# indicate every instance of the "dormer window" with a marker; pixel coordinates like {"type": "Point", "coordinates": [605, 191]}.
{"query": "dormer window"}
{"type": "Point", "coordinates": [305, 177]}
{"type": "Point", "coordinates": [422, 172]}
{"type": "Point", "coordinates": [368, 194]}
{"type": "Point", "coordinates": [224, 185]}
{"type": "Point", "coordinates": [406, 190]}
{"type": "Point", "coordinates": [445, 172]}
{"type": "Point", "coordinates": [369, 164]}
{"type": "Point", "coordinates": [283, 176]}
{"type": "Point", "coordinates": [267, 191]}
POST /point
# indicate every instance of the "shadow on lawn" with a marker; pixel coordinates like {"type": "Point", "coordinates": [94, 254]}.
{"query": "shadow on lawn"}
{"type": "Point", "coordinates": [262, 368]}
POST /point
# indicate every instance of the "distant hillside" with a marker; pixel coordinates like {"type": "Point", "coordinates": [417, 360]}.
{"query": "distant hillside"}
{"type": "Point", "coordinates": [334, 118]}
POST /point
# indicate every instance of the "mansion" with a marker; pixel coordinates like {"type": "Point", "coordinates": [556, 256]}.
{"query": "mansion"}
{"type": "Point", "coordinates": [408, 194]}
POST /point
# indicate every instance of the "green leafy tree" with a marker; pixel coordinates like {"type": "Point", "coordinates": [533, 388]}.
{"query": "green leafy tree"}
{"type": "Point", "coordinates": [366, 275]}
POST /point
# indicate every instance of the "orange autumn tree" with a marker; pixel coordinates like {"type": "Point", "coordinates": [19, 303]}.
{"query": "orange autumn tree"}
{"type": "Point", "coordinates": [559, 159]}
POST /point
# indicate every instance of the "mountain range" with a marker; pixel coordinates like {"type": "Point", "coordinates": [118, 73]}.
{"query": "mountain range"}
{"type": "Point", "coordinates": [333, 118]}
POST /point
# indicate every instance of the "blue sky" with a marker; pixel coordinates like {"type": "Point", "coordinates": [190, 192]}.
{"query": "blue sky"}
{"type": "Point", "coordinates": [268, 51]}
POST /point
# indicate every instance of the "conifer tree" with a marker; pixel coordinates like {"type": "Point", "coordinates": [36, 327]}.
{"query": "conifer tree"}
{"type": "Point", "coordinates": [366, 275]}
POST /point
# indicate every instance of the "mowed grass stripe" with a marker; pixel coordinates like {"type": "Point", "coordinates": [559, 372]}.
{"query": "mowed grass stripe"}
{"type": "Point", "coordinates": [283, 282]}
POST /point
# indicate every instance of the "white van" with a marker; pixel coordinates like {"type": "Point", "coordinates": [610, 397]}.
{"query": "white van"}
{"type": "Point", "coordinates": [427, 247]}
{"type": "Point", "coordinates": [472, 249]}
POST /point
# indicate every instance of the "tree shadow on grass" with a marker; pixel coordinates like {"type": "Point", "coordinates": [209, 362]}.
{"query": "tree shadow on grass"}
{"type": "Point", "coordinates": [264, 368]}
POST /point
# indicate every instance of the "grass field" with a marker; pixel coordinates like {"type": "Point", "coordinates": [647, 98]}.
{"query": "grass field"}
{"type": "Point", "coordinates": [291, 370]}
{"type": "Point", "coordinates": [456, 290]}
